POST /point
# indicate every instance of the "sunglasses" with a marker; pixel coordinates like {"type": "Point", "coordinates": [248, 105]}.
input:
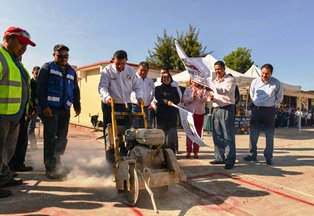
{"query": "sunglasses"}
{"type": "Point", "coordinates": [63, 56]}
{"type": "Point", "coordinates": [22, 33]}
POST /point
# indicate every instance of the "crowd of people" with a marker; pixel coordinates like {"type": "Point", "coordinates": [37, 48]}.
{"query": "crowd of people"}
{"type": "Point", "coordinates": [54, 89]}
{"type": "Point", "coordinates": [287, 116]}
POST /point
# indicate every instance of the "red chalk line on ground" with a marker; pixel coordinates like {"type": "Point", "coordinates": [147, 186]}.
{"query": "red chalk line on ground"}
{"type": "Point", "coordinates": [237, 178]}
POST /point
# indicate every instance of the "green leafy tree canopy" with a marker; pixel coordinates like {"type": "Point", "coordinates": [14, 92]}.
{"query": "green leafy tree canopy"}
{"type": "Point", "coordinates": [165, 55]}
{"type": "Point", "coordinates": [239, 60]}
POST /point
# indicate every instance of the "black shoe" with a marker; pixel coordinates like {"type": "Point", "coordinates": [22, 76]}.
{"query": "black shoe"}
{"type": "Point", "coordinates": [217, 162]}
{"type": "Point", "coordinates": [14, 182]}
{"type": "Point", "coordinates": [23, 168]}
{"type": "Point", "coordinates": [229, 166]}
{"type": "Point", "coordinates": [5, 193]}
{"type": "Point", "coordinates": [13, 173]}
{"type": "Point", "coordinates": [53, 174]}
{"type": "Point", "coordinates": [269, 162]}
{"type": "Point", "coordinates": [249, 158]}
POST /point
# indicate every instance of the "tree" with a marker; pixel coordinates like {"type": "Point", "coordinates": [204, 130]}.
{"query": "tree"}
{"type": "Point", "coordinates": [191, 46]}
{"type": "Point", "coordinates": [165, 54]}
{"type": "Point", "coordinates": [239, 60]}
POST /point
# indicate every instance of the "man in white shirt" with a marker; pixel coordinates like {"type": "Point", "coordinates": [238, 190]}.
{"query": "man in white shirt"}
{"type": "Point", "coordinates": [117, 81]}
{"type": "Point", "coordinates": [148, 89]}
{"type": "Point", "coordinates": [266, 93]}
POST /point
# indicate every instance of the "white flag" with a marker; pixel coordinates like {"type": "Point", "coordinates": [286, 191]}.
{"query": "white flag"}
{"type": "Point", "coordinates": [187, 122]}
{"type": "Point", "coordinates": [198, 68]}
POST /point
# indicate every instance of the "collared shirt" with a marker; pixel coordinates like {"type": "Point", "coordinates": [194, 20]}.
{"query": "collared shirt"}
{"type": "Point", "coordinates": [148, 88]}
{"type": "Point", "coordinates": [225, 94]}
{"type": "Point", "coordinates": [195, 104]}
{"type": "Point", "coordinates": [267, 94]}
{"type": "Point", "coordinates": [119, 85]}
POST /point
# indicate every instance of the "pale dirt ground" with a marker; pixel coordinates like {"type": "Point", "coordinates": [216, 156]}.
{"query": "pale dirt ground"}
{"type": "Point", "coordinates": [286, 188]}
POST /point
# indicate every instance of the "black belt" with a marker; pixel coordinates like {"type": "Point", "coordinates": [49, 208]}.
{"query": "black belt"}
{"type": "Point", "coordinates": [263, 107]}
{"type": "Point", "coordinates": [225, 107]}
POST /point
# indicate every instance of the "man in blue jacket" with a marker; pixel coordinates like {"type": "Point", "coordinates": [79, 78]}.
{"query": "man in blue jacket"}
{"type": "Point", "coordinates": [57, 91]}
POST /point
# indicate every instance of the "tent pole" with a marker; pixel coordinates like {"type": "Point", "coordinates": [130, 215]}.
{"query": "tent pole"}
{"type": "Point", "coordinates": [300, 106]}
{"type": "Point", "coordinates": [246, 102]}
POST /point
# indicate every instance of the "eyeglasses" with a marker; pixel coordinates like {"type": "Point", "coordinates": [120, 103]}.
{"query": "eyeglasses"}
{"type": "Point", "coordinates": [22, 33]}
{"type": "Point", "coordinates": [166, 77]}
{"type": "Point", "coordinates": [63, 56]}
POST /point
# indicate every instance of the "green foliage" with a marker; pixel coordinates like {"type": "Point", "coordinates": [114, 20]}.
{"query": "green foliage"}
{"type": "Point", "coordinates": [165, 55]}
{"type": "Point", "coordinates": [162, 55]}
{"type": "Point", "coordinates": [239, 60]}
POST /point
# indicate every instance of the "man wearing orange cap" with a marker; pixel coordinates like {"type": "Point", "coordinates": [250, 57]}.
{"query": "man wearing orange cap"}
{"type": "Point", "coordinates": [14, 99]}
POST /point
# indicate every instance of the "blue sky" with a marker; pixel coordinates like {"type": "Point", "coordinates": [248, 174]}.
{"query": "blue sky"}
{"type": "Point", "coordinates": [279, 32]}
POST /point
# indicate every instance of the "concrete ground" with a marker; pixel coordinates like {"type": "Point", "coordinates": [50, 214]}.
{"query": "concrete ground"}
{"type": "Point", "coordinates": [286, 188]}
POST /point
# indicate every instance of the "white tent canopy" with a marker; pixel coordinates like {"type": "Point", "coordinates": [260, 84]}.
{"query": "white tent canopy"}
{"type": "Point", "coordinates": [243, 80]}
{"type": "Point", "coordinates": [183, 78]}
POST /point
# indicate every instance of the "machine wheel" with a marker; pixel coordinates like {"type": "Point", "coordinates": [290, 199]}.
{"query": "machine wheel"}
{"type": "Point", "coordinates": [132, 195]}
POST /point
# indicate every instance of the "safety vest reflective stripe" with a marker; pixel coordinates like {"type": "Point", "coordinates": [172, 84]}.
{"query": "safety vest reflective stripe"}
{"type": "Point", "coordinates": [69, 103]}
{"type": "Point", "coordinates": [56, 72]}
{"type": "Point", "coordinates": [5, 73]}
{"type": "Point", "coordinates": [10, 85]}
{"type": "Point", "coordinates": [10, 100]}
{"type": "Point", "coordinates": [69, 76]}
{"type": "Point", "coordinates": [5, 67]}
{"type": "Point", "coordinates": [51, 98]}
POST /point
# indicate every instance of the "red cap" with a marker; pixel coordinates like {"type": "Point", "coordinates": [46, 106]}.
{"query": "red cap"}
{"type": "Point", "coordinates": [22, 35]}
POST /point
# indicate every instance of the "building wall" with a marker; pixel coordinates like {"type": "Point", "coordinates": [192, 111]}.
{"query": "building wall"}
{"type": "Point", "coordinates": [90, 98]}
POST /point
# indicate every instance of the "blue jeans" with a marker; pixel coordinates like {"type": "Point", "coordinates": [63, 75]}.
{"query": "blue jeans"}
{"type": "Point", "coordinates": [224, 134]}
{"type": "Point", "coordinates": [55, 137]}
{"type": "Point", "coordinates": [262, 119]}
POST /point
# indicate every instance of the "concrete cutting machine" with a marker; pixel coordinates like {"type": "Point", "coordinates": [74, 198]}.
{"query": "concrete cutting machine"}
{"type": "Point", "coordinates": [145, 164]}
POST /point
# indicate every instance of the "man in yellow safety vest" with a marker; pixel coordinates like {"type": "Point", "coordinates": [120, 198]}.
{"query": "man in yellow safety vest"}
{"type": "Point", "coordinates": [14, 99]}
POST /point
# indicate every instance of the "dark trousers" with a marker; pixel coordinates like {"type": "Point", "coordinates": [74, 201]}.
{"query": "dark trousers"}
{"type": "Point", "coordinates": [106, 110]}
{"type": "Point", "coordinates": [9, 132]}
{"type": "Point", "coordinates": [18, 158]}
{"type": "Point", "coordinates": [139, 122]}
{"type": "Point", "coordinates": [55, 137]}
{"type": "Point", "coordinates": [152, 118]}
{"type": "Point", "coordinates": [262, 118]}
{"type": "Point", "coordinates": [224, 134]}
{"type": "Point", "coordinates": [171, 135]}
